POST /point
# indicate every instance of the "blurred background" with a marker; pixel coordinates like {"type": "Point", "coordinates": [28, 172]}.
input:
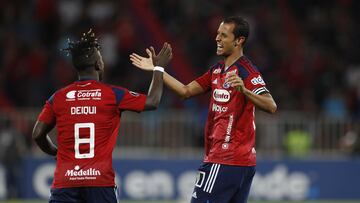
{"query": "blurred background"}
{"type": "Point", "coordinates": [307, 51]}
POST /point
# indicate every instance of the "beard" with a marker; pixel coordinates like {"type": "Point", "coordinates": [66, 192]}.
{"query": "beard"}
{"type": "Point", "coordinates": [224, 54]}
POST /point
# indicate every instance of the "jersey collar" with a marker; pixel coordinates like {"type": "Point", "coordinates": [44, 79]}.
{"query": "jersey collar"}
{"type": "Point", "coordinates": [87, 78]}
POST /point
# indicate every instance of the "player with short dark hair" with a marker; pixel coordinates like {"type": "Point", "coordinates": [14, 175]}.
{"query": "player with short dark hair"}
{"type": "Point", "coordinates": [87, 116]}
{"type": "Point", "coordinates": [236, 87]}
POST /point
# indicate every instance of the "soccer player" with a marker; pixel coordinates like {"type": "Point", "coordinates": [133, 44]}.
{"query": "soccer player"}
{"type": "Point", "coordinates": [87, 117]}
{"type": "Point", "coordinates": [236, 87]}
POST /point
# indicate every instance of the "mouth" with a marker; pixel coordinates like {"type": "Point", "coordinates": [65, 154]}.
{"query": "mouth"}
{"type": "Point", "coordinates": [220, 47]}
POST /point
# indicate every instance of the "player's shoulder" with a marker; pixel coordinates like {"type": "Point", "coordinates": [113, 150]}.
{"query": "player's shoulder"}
{"type": "Point", "coordinates": [115, 89]}
{"type": "Point", "coordinates": [58, 92]}
{"type": "Point", "coordinates": [217, 66]}
{"type": "Point", "coordinates": [118, 91]}
{"type": "Point", "coordinates": [246, 67]}
{"type": "Point", "coordinates": [245, 63]}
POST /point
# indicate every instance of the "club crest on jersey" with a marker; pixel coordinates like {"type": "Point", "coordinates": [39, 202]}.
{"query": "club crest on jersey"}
{"type": "Point", "coordinates": [73, 95]}
{"type": "Point", "coordinates": [221, 95]}
{"type": "Point", "coordinates": [226, 85]}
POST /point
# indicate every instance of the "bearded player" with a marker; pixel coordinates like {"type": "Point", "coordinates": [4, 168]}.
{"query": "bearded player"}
{"type": "Point", "coordinates": [236, 87]}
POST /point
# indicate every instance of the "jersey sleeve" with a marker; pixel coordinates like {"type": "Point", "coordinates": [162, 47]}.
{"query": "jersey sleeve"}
{"type": "Point", "coordinates": [205, 80]}
{"type": "Point", "coordinates": [47, 114]}
{"type": "Point", "coordinates": [256, 84]}
{"type": "Point", "coordinates": [129, 100]}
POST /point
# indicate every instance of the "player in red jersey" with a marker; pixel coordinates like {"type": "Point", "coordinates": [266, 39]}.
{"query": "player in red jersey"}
{"type": "Point", "coordinates": [236, 87]}
{"type": "Point", "coordinates": [87, 115]}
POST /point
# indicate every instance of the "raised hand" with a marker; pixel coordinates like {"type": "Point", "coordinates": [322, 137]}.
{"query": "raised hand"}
{"type": "Point", "coordinates": [235, 81]}
{"type": "Point", "coordinates": [163, 57]}
{"type": "Point", "coordinates": [142, 62]}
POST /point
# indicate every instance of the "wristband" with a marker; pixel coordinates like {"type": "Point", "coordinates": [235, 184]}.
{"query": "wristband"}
{"type": "Point", "coordinates": [158, 68]}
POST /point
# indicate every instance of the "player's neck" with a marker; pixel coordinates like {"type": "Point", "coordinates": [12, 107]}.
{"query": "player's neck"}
{"type": "Point", "coordinates": [229, 60]}
{"type": "Point", "coordinates": [88, 75]}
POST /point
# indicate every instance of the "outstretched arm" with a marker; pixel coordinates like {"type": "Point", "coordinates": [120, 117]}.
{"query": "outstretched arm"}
{"type": "Point", "coordinates": [155, 91]}
{"type": "Point", "coordinates": [40, 135]}
{"type": "Point", "coordinates": [184, 91]}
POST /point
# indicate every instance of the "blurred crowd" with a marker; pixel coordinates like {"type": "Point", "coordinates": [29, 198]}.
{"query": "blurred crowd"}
{"type": "Point", "coordinates": [308, 51]}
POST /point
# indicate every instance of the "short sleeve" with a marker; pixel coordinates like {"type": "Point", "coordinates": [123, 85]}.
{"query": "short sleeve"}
{"type": "Point", "coordinates": [256, 84]}
{"type": "Point", "coordinates": [47, 114]}
{"type": "Point", "coordinates": [129, 100]}
{"type": "Point", "coordinates": [205, 80]}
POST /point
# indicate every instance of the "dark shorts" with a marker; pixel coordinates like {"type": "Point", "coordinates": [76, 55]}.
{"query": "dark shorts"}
{"type": "Point", "coordinates": [218, 183]}
{"type": "Point", "coordinates": [84, 195]}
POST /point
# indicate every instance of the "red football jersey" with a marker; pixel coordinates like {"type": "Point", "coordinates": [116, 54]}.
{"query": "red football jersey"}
{"type": "Point", "coordinates": [87, 115]}
{"type": "Point", "coordinates": [230, 127]}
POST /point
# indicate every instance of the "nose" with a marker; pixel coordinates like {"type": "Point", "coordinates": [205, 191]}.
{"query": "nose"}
{"type": "Point", "coordinates": [217, 38]}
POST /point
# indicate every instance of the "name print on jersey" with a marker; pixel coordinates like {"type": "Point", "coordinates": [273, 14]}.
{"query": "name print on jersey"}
{"type": "Point", "coordinates": [83, 95]}
{"type": "Point", "coordinates": [82, 110]}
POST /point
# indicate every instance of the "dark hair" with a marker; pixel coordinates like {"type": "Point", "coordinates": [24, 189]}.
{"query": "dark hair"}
{"type": "Point", "coordinates": [83, 52]}
{"type": "Point", "coordinates": [241, 26]}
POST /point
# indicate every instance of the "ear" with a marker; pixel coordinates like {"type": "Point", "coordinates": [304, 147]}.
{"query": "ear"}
{"type": "Point", "coordinates": [239, 41]}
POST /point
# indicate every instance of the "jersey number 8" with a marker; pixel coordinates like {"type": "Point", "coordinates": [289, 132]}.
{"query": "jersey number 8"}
{"type": "Point", "coordinates": [90, 141]}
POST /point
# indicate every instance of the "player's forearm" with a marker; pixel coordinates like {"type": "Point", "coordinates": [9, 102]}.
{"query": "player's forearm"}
{"type": "Point", "coordinates": [46, 145]}
{"type": "Point", "coordinates": [265, 102]}
{"type": "Point", "coordinates": [41, 138]}
{"type": "Point", "coordinates": [176, 86]}
{"type": "Point", "coordinates": [155, 91]}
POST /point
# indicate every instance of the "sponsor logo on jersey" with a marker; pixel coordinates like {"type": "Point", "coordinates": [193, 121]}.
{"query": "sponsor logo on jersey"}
{"type": "Point", "coordinates": [257, 80]}
{"type": "Point", "coordinates": [229, 127]}
{"type": "Point", "coordinates": [219, 108]}
{"type": "Point", "coordinates": [253, 150]}
{"type": "Point", "coordinates": [82, 174]}
{"type": "Point", "coordinates": [221, 95]}
{"type": "Point", "coordinates": [135, 94]}
{"type": "Point", "coordinates": [73, 95]}
{"type": "Point", "coordinates": [217, 71]}
{"type": "Point", "coordinates": [230, 72]}
{"type": "Point", "coordinates": [214, 81]}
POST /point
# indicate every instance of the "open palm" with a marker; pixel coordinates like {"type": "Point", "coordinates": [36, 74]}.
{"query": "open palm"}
{"type": "Point", "coordinates": [142, 62]}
